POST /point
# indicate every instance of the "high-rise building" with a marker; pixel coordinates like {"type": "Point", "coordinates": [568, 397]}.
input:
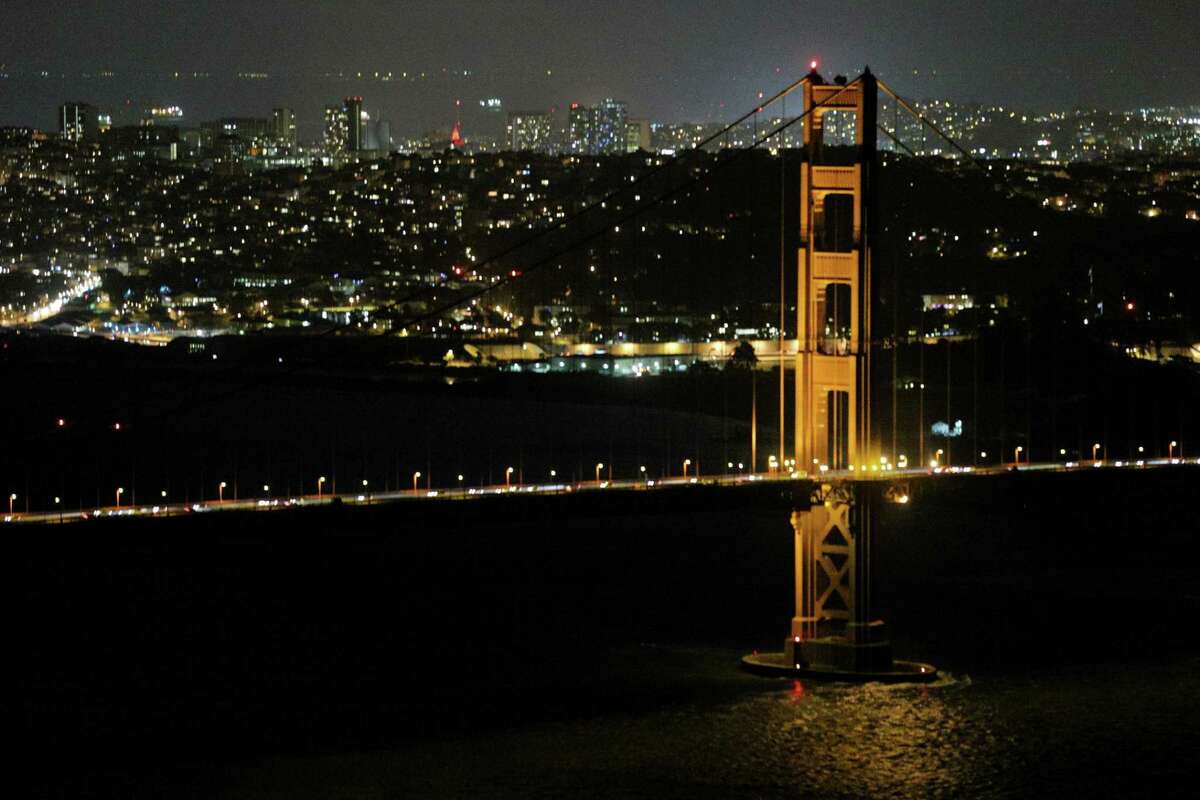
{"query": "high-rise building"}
{"type": "Point", "coordinates": [344, 126]}
{"type": "Point", "coordinates": [529, 130]}
{"type": "Point", "coordinates": [580, 122]}
{"type": "Point", "coordinates": [609, 127]}
{"type": "Point", "coordinates": [489, 124]}
{"type": "Point", "coordinates": [637, 135]}
{"type": "Point", "coordinates": [336, 129]}
{"type": "Point", "coordinates": [352, 107]}
{"type": "Point", "coordinates": [599, 130]}
{"type": "Point", "coordinates": [79, 122]}
{"type": "Point", "coordinates": [283, 127]}
{"type": "Point", "coordinates": [377, 134]}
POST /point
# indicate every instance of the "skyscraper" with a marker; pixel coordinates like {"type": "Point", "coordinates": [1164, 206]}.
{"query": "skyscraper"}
{"type": "Point", "coordinates": [579, 129]}
{"type": "Point", "coordinates": [377, 133]}
{"type": "Point", "coordinates": [79, 122]}
{"type": "Point", "coordinates": [283, 127]}
{"type": "Point", "coordinates": [352, 107]}
{"type": "Point", "coordinates": [336, 129]}
{"type": "Point", "coordinates": [599, 130]}
{"type": "Point", "coordinates": [637, 135]}
{"type": "Point", "coordinates": [489, 124]}
{"type": "Point", "coordinates": [609, 127]}
{"type": "Point", "coordinates": [344, 126]}
{"type": "Point", "coordinates": [529, 130]}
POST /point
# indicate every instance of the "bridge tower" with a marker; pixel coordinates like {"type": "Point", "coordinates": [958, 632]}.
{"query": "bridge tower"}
{"type": "Point", "coordinates": [833, 632]}
{"type": "Point", "coordinates": [833, 308]}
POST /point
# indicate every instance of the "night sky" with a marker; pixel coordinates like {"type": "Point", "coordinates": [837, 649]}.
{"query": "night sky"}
{"type": "Point", "coordinates": [672, 60]}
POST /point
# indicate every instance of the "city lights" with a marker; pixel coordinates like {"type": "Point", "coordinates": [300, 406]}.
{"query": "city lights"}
{"type": "Point", "coordinates": [551, 245]}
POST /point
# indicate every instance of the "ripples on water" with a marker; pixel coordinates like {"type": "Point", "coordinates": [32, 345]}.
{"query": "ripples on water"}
{"type": "Point", "coordinates": [1100, 731]}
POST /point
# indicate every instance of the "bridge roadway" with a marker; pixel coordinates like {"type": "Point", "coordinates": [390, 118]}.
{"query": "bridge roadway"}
{"type": "Point", "coordinates": [534, 489]}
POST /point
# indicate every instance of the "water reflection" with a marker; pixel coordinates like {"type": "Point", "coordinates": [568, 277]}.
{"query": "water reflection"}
{"type": "Point", "coordinates": [901, 741]}
{"type": "Point", "coordinates": [1100, 731]}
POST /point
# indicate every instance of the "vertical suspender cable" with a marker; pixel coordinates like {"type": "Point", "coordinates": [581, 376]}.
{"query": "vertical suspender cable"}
{"type": "Point", "coordinates": [782, 281]}
{"type": "Point", "coordinates": [750, 275]}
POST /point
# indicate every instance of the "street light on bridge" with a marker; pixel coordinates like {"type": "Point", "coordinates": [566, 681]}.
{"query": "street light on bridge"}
{"type": "Point", "coordinates": [120, 491]}
{"type": "Point", "coordinates": [320, 485]}
{"type": "Point", "coordinates": [1171, 450]}
{"type": "Point", "coordinates": [1017, 454]}
{"type": "Point", "coordinates": [221, 492]}
{"type": "Point", "coordinates": [417, 477]}
{"type": "Point", "coordinates": [687, 462]}
{"type": "Point", "coordinates": [507, 478]}
{"type": "Point", "coordinates": [11, 498]}
{"type": "Point", "coordinates": [1095, 447]}
{"type": "Point", "coordinates": [599, 466]}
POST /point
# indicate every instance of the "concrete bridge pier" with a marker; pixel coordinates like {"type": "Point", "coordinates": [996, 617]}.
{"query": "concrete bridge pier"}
{"type": "Point", "coordinates": [834, 634]}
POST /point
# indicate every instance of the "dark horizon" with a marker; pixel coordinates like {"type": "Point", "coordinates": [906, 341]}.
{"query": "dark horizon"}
{"type": "Point", "coordinates": [671, 61]}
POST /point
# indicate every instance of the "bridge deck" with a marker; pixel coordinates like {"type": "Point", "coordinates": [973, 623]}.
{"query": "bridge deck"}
{"type": "Point", "coordinates": [529, 490]}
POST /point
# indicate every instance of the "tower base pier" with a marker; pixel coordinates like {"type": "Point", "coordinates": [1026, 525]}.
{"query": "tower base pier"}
{"type": "Point", "coordinates": [776, 665]}
{"type": "Point", "coordinates": [833, 636]}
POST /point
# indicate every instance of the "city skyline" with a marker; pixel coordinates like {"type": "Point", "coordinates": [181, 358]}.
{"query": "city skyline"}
{"type": "Point", "coordinates": [528, 398]}
{"type": "Point", "coordinates": [670, 61]}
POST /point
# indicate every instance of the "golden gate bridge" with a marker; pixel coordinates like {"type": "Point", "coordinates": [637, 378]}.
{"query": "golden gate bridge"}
{"type": "Point", "coordinates": [834, 466]}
